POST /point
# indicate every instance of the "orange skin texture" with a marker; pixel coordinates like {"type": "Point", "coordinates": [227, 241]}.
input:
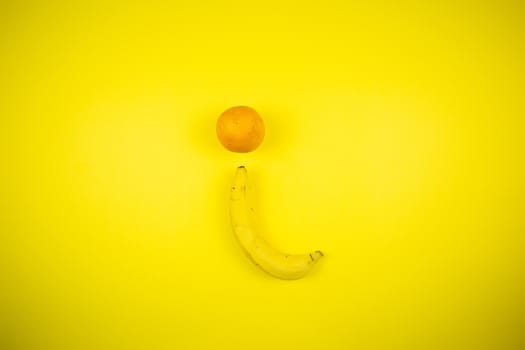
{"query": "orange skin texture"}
{"type": "Point", "coordinates": [240, 129]}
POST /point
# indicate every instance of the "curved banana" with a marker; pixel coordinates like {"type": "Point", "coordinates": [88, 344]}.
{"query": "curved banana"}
{"type": "Point", "coordinates": [274, 262]}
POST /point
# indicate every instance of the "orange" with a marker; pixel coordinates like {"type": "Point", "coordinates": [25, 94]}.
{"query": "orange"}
{"type": "Point", "coordinates": [240, 129]}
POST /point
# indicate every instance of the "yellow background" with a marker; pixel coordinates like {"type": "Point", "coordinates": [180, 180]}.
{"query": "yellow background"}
{"type": "Point", "coordinates": [395, 144]}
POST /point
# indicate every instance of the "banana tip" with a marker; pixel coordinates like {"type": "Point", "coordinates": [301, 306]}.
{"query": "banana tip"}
{"type": "Point", "coordinates": [316, 255]}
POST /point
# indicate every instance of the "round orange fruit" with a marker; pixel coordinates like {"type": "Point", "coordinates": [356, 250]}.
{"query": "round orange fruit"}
{"type": "Point", "coordinates": [240, 129]}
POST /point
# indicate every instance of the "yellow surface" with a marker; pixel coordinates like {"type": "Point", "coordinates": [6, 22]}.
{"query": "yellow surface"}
{"type": "Point", "coordinates": [395, 143]}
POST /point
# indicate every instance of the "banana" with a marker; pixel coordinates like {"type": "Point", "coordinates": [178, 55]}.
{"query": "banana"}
{"type": "Point", "coordinates": [269, 259]}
